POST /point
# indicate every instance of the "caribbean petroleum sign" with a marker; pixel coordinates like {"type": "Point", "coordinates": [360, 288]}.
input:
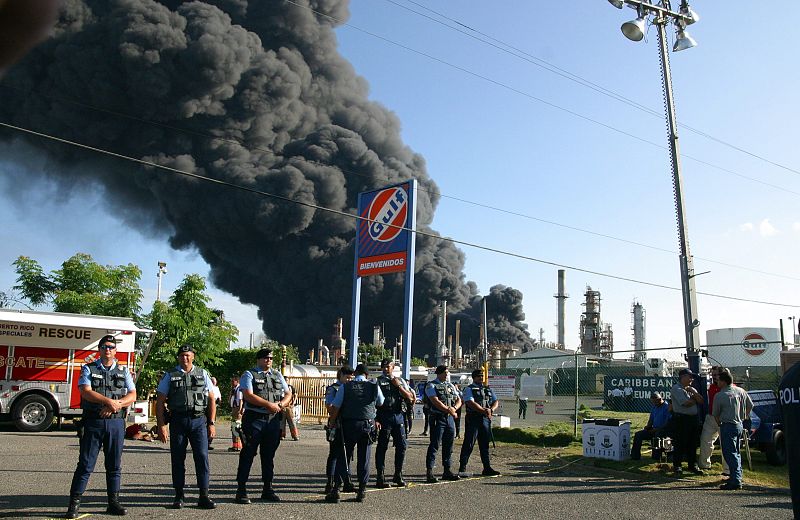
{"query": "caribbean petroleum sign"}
{"type": "Point", "coordinates": [383, 231]}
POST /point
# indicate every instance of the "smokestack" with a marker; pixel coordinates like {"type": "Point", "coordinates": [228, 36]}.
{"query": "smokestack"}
{"type": "Point", "coordinates": [561, 298]}
{"type": "Point", "coordinates": [459, 360]}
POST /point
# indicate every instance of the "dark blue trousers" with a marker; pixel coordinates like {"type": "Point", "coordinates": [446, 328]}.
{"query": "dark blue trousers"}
{"type": "Point", "coordinates": [356, 435]}
{"type": "Point", "coordinates": [262, 434]}
{"type": "Point", "coordinates": [443, 431]}
{"type": "Point", "coordinates": [476, 427]}
{"type": "Point", "coordinates": [108, 434]}
{"type": "Point", "coordinates": [392, 424]}
{"type": "Point", "coordinates": [189, 430]}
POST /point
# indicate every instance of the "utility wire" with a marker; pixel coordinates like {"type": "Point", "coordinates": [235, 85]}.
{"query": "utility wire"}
{"type": "Point", "coordinates": [533, 97]}
{"type": "Point", "coordinates": [238, 142]}
{"type": "Point", "coordinates": [550, 67]}
{"type": "Point", "coordinates": [360, 218]}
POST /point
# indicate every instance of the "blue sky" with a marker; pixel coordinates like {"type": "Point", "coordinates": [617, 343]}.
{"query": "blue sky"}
{"type": "Point", "coordinates": [486, 138]}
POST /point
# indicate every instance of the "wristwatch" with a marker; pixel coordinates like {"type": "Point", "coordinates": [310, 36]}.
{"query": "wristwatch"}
{"type": "Point", "coordinates": [210, 423]}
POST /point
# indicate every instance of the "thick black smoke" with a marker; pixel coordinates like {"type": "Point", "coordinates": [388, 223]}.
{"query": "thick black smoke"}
{"type": "Point", "coordinates": [293, 119]}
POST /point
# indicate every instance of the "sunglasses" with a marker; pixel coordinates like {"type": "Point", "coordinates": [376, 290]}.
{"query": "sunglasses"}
{"type": "Point", "coordinates": [108, 347]}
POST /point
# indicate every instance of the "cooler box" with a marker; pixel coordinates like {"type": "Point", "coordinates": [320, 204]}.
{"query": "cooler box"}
{"type": "Point", "coordinates": [606, 438]}
{"type": "Point", "coordinates": [501, 421]}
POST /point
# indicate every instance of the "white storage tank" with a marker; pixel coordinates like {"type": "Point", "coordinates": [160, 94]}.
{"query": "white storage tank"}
{"type": "Point", "coordinates": [744, 346]}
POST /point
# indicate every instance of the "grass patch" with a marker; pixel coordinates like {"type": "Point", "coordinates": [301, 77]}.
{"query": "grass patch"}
{"type": "Point", "coordinates": [554, 434]}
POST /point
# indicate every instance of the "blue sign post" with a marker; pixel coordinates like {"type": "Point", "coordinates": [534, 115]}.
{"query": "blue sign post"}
{"type": "Point", "coordinates": [385, 243]}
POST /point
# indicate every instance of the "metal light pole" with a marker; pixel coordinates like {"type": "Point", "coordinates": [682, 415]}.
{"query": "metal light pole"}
{"type": "Point", "coordinates": [162, 270]}
{"type": "Point", "coordinates": [634, 30]}
{"type": "Point", "coordinates": [795, 332]}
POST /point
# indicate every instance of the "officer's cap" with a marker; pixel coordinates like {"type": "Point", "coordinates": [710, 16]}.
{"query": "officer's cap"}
{"type": "Point", "coordinates": [477, 372]}
{"type": "Point", "coordinates": [385, 362]}
{"type": "Point", "coordinates": [441, 369]}
{"type": "Point", "coordinates": [108, 338]}
{"type": "Point", "coordinates": [686, 372]}
{"type": "Point", "coordinates": [263, 353]}
{"type": "Point", "coordinates": [185, 348]}
{"type": "Point", "coordinates": [656, 395]}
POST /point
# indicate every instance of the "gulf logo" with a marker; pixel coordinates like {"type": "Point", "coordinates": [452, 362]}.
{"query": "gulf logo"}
{"type": "Point", "coordinates": [751, 344]}
{"type": "Point", "coordinates": [388, 209]}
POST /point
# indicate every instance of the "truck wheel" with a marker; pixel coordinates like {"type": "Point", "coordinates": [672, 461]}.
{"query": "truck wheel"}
{"type": "Point", "coordinates": [776, 452]}
{"type": "Point", "coordinates": [33, 413]}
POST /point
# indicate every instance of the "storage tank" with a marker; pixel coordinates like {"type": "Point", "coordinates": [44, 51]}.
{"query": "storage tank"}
{"type": "Point", "coordinates": [744, 347]}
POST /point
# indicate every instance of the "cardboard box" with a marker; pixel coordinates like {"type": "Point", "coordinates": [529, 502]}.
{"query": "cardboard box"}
{"type": "Point", "coordinates": [606, 438]}
{"type": "Point", "coordinates": [789, 358]}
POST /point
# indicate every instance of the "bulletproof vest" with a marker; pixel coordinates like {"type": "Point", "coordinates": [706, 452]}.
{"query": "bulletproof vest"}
{"type": "Point", "coordinates": [187, 392]}
{"type": "Point", "coordinates": [392, 399]}
{"type": "Point", "coordinates": [108, 383]}
{"type": "Point", "coordinates": [445, 392]}
{"type": "Point", "coordinates": [267, 386]}
{"type": "Point", "coordinates": [481, 396]}
{"type": "Point", "coordinates": [359, 400]}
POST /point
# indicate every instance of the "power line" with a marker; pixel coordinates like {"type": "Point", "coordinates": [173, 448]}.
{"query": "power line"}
{"type": "Point", "coordinates": [570, 76]}
{"type": "Point", "coordinates": [238, 142]}
{"type": "Point", "coordinates": [360, 218]}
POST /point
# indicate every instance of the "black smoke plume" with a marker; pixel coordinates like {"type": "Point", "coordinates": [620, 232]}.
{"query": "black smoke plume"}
{"type": "Point", "coordinates": [292, 118]}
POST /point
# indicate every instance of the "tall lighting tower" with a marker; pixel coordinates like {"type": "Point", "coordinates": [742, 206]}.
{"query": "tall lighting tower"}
{"type": "Point", "coordinates": [660, 14]}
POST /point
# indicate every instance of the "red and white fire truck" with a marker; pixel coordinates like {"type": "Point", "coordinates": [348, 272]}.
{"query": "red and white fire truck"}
{"type": "Point", "coordinates": [41, 355]}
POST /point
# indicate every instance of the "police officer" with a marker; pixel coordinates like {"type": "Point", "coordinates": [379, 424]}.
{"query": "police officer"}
{"type": "Point", "coordinates": [480, 402]}
{"type": "Point", "coordinates": [185, 391]}
{"type": "Point", "coordinates": [265, 394]}
{"type": "Point", "coordinates": [106, 391]}
{"type": "Point", "coordinates": [445, 402]}
{"type": "Point", "coordinates": [335, 444]}
{"type": "Point", "coordinates": [391, 417]}
{"type": "Point", "coordinates": [355, 404]}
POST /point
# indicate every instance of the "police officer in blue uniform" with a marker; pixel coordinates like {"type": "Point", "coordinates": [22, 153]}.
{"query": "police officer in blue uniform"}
{"type": "Point", "coordinates": [106, 391]}
{"type": "Point", "coordinates": [335, 443]}
{"type": "Point", "coordinates": [185, 391]}
{"type": "Point", "coordinates": [480, 403]}
{"type": "Point", "coordinates": [444, 401]}
{"type": "Point", "coordinates": [391, 417]}
{"type": "Point", "coordinates": [265, 394]}
{"type": "Point", "coordinates": [355, 404]}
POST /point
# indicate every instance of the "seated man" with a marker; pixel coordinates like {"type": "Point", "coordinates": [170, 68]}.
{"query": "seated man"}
{"type": "Point", "coordinates": [659, 417]}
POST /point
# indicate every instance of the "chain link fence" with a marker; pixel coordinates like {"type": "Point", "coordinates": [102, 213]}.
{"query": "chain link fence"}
{"type": "Point", "coordinates": [556, 384]}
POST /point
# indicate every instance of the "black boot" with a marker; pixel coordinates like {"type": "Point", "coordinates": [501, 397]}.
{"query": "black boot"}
{"type": "Point", "coordinates": [430, 478]}
{"type": "Point", "coordinates": [332, 495]}
{"type": "Point", "coordinates": [490, 472]}
{"type": "Point", "coordinates": [204, 502]}
{"type": "Point", "coordinates": [380, 481]}
{"type": "Point", "coordinates": [348, 485]}
{"type": "Point", "coordinates": [178, 502]}
{"type": "Point", "coordinates": [268, 494]}
{"type": "Point", "coordinates": [398, 479]}
{"type": "Point", "coordinates": [361, 493]}
{"type": "Point", "coordinates": [241, 495]}
{"type": "Point", "coordinates": [114, 507]}
{"type": "Point", "coordinates": [74, 505]}
{"type": "Point", "coordinates": [449, 475]}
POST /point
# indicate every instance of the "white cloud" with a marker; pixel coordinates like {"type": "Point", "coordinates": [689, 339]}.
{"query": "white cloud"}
{"type": "Point", "coordinates": [796, 226]}
{"type": "Point", "coordinates": [747, 226]}
{"type": "Point", "coordinates": [766, 229]}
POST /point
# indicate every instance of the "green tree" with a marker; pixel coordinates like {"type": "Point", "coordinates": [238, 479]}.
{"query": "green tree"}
{"type": "Point", "coordinates": [186, 318]}
{"type": "Point", "coordinates": [372, 354]}
{"type": "Point", "coordinates": [81, 286]}
{"type": "Point", "coordinates": [418, 362]}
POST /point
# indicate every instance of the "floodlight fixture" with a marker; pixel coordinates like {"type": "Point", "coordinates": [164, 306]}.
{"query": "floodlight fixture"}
{"type": "Point", "coordinates": [619, 4]}
{"type": "Point", "coordinates": [683, 41]}
{"type": "Point", "coordinates": [634, 30]}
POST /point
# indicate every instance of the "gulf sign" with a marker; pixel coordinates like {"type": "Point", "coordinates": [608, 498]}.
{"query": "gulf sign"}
{"type": "Point", "coordinates": [753, 344]}
{"type": "Point", "coordinates": [383, 235]}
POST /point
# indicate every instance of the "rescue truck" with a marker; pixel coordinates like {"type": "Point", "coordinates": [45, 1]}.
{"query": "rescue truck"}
{"type": "Point", "coordinates": [41, 355]}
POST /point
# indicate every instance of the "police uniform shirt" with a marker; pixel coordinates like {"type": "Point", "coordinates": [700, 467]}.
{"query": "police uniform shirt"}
{"type": "Point", "coordinates": [86, 375]}
{"type": "Point", "coordinates": [403, 385]}
{"type": "Point", "coordinates": [163, 385]}
{"type": "Point", "coordinates": [246, 383]}
{"type": "Point", "coordinates": [330, 393]}
{"type": "Point", "coordinates": [469, 397]}
{"type": "Point", "coordinates": [339, 397]}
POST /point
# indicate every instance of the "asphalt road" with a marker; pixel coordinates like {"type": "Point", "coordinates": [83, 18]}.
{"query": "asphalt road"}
{"type": "Point", "coordinates": [36, 471]}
